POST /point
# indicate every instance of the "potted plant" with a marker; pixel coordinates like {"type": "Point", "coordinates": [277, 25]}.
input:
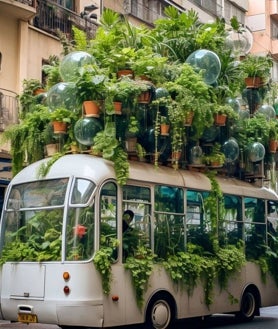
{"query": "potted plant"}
{"type": "Point", "coordinates": [119, 61]}
{"type": "Point", "coordinates": [60, 118]}
{"type": "Point", "coordinates": [257, 70]}
{"type": "Point", "coordinates": [215, 158]}
{"type": "Point", "coordinates": [91, 89]}
{"type": "Point", "coordinates": [27, 98]}
{"type": "Point", "coordinates": [164, 126]}
{"type": "Point", "coordinates": [50, 140]}
{"type": "Point", "coordinates": [148, 65]}
{"type": "Point", "coordinates": [222, 112]}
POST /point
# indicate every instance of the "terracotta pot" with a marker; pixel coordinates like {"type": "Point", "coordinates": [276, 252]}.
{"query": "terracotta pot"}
{"type": "Point", "coordinates": [126, 72]}
{"type": "Point", "coordinates": [189, 119]}
{"type": "Point", "coordinates": [164, 129]}
{"type": "Point", "coordinates": [176, 156]}
{"type": "Point", "coordinates": [91, 109]}
{"type": "Point", "coordinates": [144, 97]}
{"type": "Point", "coordinates": [253, 82]}
{"type": "Point", "coordinates": [59, 127]}
{"type": "Point", "coordinates": [220, 119]}
{"type": "Point", "coordinates": [273, 146]}
{"type": "Point", "coordinates": [39, 91]}
{"type": "Point", "coordinates": [131, 144]}
{"type": "Point", "coordinates": [118, 107]}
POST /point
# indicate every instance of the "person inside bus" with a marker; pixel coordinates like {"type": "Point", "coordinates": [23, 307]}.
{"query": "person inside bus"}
{"type": "Point", "coordinates": [130, 235]}
{"type": "Point", "coordinates": [127, 219]}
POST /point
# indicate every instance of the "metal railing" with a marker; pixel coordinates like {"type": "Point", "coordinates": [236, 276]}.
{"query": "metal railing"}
{"type": "Point", "coordinates": [31, 3]}
{"type": "Point", "coordinates": [9, 108]}
{"type": "Point", "coordinates": [52, 18]}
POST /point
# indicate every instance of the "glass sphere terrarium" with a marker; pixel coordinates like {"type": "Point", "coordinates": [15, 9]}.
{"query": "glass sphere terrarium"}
{"type": "Point", "coordinates": [207, 62]}
{"type": "Point", "coordinates": [86, 129]}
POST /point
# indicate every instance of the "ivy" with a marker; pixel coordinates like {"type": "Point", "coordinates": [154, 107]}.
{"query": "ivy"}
{"type": "Point", "coordinates": [103, 260]}
{"type": "Point", "coordinates": [185, 268]}
{"type": "Point", "coordinates": [229, 260]}
{"type": "Point", "coordinates": [140, 267]}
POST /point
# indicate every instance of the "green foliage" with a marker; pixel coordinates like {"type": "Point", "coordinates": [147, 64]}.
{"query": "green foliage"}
{"type": "Point", "coordinates": [185, 268]}
{"type": "Point", "coordinates": [44, 167]}
{"type": "Point", "coordinates": [140, 268]}
{"type": "Point", "coordinates": [27, 98]}
{"type": "Point", "coordinates": [108, 145]}
{"type": "Point", "coordinates": [27, 138]}
{"type": "Point", "coordinates": [230, 259]}
{"type": "Point", "coordinates": [39, 240]}
{"type": "Point", "coordinates": [257, 66]}
{"type": "Point", "coordinates": [103, 259]}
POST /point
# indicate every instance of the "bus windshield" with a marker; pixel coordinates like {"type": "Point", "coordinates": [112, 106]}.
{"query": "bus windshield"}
{"type": "Point", "coordinates": [33, 220]}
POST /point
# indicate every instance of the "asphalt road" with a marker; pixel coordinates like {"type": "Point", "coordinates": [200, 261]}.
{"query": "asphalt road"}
{"type": "Point", "coordinates": [267, 320]}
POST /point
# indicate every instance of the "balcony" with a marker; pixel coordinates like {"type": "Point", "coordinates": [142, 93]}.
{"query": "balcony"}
{"type": "Point", "coordinates": [8, 108]}
{"type": "Point", "coordinates": [52, 18]}
{"type": "Point", "coordinates": [23, 9]}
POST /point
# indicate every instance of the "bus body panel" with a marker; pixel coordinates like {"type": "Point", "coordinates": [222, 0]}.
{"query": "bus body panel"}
{"type": "Point", "coordinates": [40, 286]}
{"type": "Point", "coordinates": [53, 306]}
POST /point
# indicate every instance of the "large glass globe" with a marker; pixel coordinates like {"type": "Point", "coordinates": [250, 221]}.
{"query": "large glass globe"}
{"type": "Point", "coordinates": [234, 103]}
{"type": "Point", "coordinates": [85, 129]}
{"type": "Point", "coordinates": [240, 43]}
{"type": "Point", "coordinates": [207, 63]}
{"type": "Point", "coordinates": [267, 110]}
{"type": "Point", "coordinates": [196, 153]}
{"type": "Point", "coordinates": [71, 64]}
{"type": "Point", "coordinates": [63, 94]}
{"type": "Point", "coordinates": [231, 150]}
{"type": "Point", "coordinates": [255, 152]}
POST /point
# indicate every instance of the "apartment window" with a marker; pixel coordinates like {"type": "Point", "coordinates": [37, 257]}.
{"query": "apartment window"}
{"type": "Point", "coordinates": [231, 10]}
{"type": "Point", "coordinates": [68, 4]}
{"type": "Point", "coordinates": [274, 29]}
{"type": "Point", "coordinates": [147, 10]}
{"type": "Point", "coordinates": [209, 5]}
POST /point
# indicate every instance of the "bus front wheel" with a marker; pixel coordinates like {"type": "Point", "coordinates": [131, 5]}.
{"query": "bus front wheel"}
{"type": "Point", "coordinates": [160, 313]}
{"type": "Point", "coordinates": [249, 306]}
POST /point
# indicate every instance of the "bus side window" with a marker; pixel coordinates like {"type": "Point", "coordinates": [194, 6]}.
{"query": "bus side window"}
{"type": "Point", "coordinates": [137, 200]}
{"type": "Point", "coordinates": [233, 225]}
{"type": "Point", "coordinates": [254, 227]}
{"type": "Point", "coordinates": [108, 216]}
{"type": "Point", "coordinates": [169, 225]}
{"type": "Point", "coordinates": [197, 231]}
{"type": "Point", "coordinates": [272, 223]}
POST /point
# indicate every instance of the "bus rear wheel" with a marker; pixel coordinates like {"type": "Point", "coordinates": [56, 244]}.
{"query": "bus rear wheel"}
{"type": "Point", "coordinates": [160, 313]}
{"type": "Point", "coordinates": [249, 306]}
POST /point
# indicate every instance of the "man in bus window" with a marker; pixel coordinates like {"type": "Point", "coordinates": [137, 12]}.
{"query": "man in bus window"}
{"type": "Point", "coordinates": [127, 219]}
{"type": "Point", "coordinates": [130, 235]}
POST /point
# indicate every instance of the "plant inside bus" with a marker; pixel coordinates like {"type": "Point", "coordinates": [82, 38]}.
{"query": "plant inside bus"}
{"type": "Point", "coordinates": [38, 240]}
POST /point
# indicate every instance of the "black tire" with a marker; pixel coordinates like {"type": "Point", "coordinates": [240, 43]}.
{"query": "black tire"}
{"type": "Point", "coordinates": [248, 306]}
{"type": "Point", "coordinates": [160, 313]}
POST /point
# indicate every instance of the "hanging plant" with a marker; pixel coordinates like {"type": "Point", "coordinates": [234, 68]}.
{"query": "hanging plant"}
{"type": "Point", "coordinates": [140, 266]}
{"type": "Point", "coordinates": [103, 259]}
{"type": "Point", "coordinates": [229, 261]}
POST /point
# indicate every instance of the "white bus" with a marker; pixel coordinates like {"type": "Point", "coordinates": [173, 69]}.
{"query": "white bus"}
{"type": "Point", "coordinates": [53, 228]}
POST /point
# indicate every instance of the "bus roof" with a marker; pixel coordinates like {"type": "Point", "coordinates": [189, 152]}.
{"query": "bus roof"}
{"type": "Point", "coordinates": [99, 170]}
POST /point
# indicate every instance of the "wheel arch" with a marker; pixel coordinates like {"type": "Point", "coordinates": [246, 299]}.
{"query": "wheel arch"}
{"type": "Point", "coordinates": [256, 292]}
{"type": "Point", "coordinates": [162, 294]}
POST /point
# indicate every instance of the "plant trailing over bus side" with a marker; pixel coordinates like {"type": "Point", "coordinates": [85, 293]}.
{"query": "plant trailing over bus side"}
{"type": "Point", "coordinates": [103, 260]}
{"type": "Point", "coordinates": [140, 268]}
